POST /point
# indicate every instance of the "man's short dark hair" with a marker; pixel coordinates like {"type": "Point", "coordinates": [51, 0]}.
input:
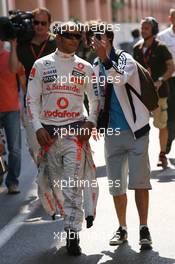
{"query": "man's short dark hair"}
{"type": "Point", "coordinates": [110, 35]}
{"type": "Point", "coordinates": [107, 31]}
{"type": "Point", "coordinates": [153, 22]}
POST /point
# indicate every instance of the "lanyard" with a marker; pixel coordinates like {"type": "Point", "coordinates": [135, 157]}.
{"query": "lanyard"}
{"type": "Point", "coordinates": [36, 56]}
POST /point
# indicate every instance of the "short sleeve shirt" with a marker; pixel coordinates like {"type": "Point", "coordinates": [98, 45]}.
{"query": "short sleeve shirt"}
{"type": "Point", "coordinates": [154, 59]}
{"type": "Point", "coordinates": [28, 53]}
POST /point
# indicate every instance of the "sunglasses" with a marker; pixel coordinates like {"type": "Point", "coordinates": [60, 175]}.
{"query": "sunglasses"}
{"type": "Point", "coordinates": [69, 35]}
{"type": "Point", "coordinates": [37, 22]}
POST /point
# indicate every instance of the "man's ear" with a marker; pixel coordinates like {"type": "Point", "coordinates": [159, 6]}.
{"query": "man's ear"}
{"type": "Point", "coordinates": [58, 37]}
{"type": "Point", "coordinates": [169, 17]}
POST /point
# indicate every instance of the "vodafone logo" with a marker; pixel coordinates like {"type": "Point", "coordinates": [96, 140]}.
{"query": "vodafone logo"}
{"type": "Point", "coordinates": [62, 102]}
{"type": "Point", "coordinates": [63, 114]}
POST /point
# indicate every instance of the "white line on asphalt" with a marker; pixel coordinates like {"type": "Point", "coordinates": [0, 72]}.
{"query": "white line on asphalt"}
{"type": "Point", "coordinates": [14, 225]}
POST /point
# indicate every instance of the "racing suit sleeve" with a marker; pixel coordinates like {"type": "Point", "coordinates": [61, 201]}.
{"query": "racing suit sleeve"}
{"type": "Point", "coordinates": [91, 90]}
{"type": "Point", "coordinates": [34, 92]}
{"type": "Point", "coordinates": [121, 72]}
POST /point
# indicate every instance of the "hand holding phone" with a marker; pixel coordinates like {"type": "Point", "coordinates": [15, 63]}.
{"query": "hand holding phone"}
{"type": "Point", "coordinates": [98, 35]}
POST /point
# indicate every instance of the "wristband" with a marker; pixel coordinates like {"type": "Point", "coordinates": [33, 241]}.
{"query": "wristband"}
{"type": "Point", "coordinates": [161, 79]}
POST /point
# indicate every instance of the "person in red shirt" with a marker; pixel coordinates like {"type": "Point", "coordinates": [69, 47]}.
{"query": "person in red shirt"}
{"type": "Point", "coordinates": [10, 112]}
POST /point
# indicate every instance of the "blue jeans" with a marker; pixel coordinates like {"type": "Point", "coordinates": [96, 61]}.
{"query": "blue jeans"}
{"type": "Point", "coordinates": [10, 121]}
{"type": "Point", "coordinates": [171, 110]}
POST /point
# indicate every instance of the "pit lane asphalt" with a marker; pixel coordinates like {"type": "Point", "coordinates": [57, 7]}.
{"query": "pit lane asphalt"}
{"type": "Point", "coordinates": [27, 233]}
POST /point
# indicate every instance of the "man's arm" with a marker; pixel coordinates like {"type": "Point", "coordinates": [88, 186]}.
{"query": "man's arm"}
{"type": "Point", "coordinates": [94, 104]}
{"type": "Point", "coordinates": [166, 75]}
{"type": "Point", "coordinates": [93, 97]}
{"type": "Point", "coordinates": [33, 100]}
{"type": "Point", "coordinates": [22, 79]}
{"type": "Point", "coordinates": [16, 67]}
{"type": "Point", "coordinates": [14, 64]}
{"type": "Point", "coordinates": [120, 72]}
{"type": "Point", "coordinates": [169, 71]}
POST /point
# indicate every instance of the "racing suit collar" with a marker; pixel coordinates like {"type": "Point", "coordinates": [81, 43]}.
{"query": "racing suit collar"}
{"type": "Point", "coordinates": [64, 55]}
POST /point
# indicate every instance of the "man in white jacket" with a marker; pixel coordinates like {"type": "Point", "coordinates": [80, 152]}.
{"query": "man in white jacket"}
{"type": "Point", "coordinates": [130, 147]}
{"type": "Point", "coordinates": [55, 97]}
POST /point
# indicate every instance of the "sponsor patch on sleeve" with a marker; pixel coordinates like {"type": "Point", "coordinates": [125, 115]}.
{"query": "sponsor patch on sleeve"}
{"type": "Point", "coordinates": [32, 73]}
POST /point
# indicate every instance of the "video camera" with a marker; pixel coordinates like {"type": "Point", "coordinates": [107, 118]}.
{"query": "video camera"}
{"type": "Point", "coordinates": [19, 25]}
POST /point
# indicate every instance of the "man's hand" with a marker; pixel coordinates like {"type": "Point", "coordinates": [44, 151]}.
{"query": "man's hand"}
{"type": "Point", "coordinates": [14, 64]}
{"type": "Point", "coordinates": [157, 84]}
{"type": "Point", "coordinates": [100, 48]}
{"type": "Point", "coordinates": [13, 43]}
{"type": "Point", "coordinates": [96, 135]}
{"type": "Point", "coordinates": [43, 137]}
{"type": "Point", "coordinates": [86, 130]}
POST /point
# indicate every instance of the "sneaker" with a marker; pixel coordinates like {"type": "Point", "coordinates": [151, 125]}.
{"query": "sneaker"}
{"type": "Point", "coordinates": [145, 237]}
{"type": "Point", "coordinates": [72, 243]}
{"type": "Point", "coordinates": [119, 237]}
{"type": "Point", "coordinates": [89, 221]}
{"type": "Point", "coordinates": [162, 162]}
{"type": "Point", "coordinates": [13, 189]}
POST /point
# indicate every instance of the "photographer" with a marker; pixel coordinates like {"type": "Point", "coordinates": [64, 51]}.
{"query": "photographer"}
{"type": "Point", "coordinates": [42, 44]}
